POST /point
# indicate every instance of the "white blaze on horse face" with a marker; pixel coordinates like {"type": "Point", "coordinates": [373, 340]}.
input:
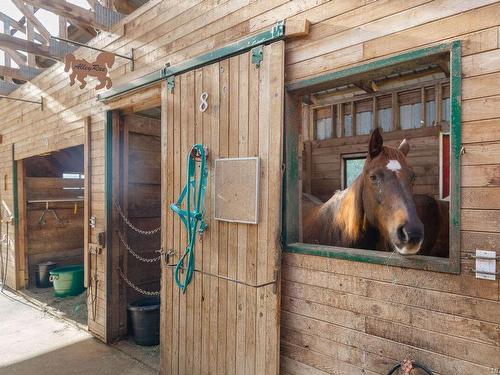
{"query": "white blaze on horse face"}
{"type": "Point", "coordinates": [393, 165]}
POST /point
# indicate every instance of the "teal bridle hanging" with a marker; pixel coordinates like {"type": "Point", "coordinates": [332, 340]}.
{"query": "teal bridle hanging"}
{"type": "Point", "coordinates": [193, 219]}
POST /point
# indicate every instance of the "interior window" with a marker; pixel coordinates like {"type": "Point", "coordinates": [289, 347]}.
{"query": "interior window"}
{"type": "Point", "coordinates": [353, 166]}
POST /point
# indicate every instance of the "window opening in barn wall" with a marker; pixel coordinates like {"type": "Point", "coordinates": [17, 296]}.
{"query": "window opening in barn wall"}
{"type": "Point", "coordinates": [411, 100]}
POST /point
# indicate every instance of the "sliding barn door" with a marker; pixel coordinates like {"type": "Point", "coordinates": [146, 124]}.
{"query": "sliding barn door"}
{"type": "Point", "coordinates": [220, 326]}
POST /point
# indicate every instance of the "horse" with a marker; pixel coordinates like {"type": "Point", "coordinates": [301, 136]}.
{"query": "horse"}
{"type": "Point", "coordinates": [377, 211]}
{"type": "Point", "coordinates": [81, 68]}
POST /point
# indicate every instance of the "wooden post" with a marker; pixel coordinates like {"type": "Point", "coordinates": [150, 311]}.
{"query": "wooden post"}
{"type": "Point", "coordinates": [6, 56]}
{"type": "Point", "coordinates": [63, 28]}
{"type": "Point", "coordinates": [312, 124]}
{"type": "Point", "coordinates": [422, 107]}
{"type": "Point", "coordinates": [332, 116]}
{"type": "Point", "coordinates": [123, 253]}
{"type": "Point", "coordinates": [340, 119]}
{"type": "Point", "coordinates": [395, 111]}
{"type": "Point", "coordinates": [86, 201]}
{"type": "Point", "coordinates": [114, 258]}
{"type": "Point", "coordinates": [21, 235]}
{"type": "Point", "coordinates": [353, 119]}
{"type": "Point", "coordinates": [438, 95]}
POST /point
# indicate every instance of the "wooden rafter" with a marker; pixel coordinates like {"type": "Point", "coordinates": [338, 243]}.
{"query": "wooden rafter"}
{"type": "Point", "coordinates": [30, 36]}
{"type": "Point", "coordinates": [30, 16]}
{"type": "Point", "coordinates": [7, 87]}
{"type": "Point", "coordinates": [19, 26]}
{"type": "Point", "coordinates": [367, 86]}
{"type": "Point", "coordinates": [69, 11]}
{"type": "Point", "coordinates": [19, 58]}
{"type": "Point", "coordinates": [12, 22]}
{"type": "Point", "coordinates": [443, 64]}
{"type": "Point", "coordinates": [13, 43]}
{"type": "Point", "coordinates": [15, 73]}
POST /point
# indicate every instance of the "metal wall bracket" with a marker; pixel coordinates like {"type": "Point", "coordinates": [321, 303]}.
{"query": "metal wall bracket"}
{"type": "Point", "coordinates": [279, 29]}
{"type": "Point", "coordinates": [131, 54]}
{"type": "Point", "coordinates": [171, 83]}
{"type": "Point", "coordinates": [257, 55]}
{"type": "Point", "coordinates": [95, 249]}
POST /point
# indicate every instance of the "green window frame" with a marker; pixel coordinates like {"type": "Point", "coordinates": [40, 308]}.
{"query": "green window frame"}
{"type": "Point", "coordinates": [291, 187]}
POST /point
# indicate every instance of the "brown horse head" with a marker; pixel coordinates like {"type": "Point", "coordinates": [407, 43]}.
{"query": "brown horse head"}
{"type": "Point", "coordinates": [387, 195]}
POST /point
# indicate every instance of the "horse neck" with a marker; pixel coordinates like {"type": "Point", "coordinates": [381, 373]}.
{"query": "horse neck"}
{"type": "Point", "coordinates": [343, 215]}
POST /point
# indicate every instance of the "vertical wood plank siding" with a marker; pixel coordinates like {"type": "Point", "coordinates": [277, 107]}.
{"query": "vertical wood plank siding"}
{"type": "Point", "coordinates": [207, 317]}
{"type": "Point", "coordinates": [335, 313]}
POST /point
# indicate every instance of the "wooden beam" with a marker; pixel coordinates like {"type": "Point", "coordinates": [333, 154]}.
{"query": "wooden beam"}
{"type": "Point", "coordinates": [19, 58]}
{"type": "Point", "coordinates": [15, 73]}
{"type": "Point", "coordinates": [19, 44]}
{"type": "Point", "coordinates": [294, 27]}
{"type": "Point", "coordinates": [68, 11]}
{"type": "Point", "coordinates": [6, 57]}
{"type": "Point", "coordinates": [363, 86]}
{"type": "Point", "coordinates": [30, 34]}
{"type": "Point", "coordinates": [13, 23]}
{"type": "Point", "coordinates": [18, 26]}
{"type": "Point", "coordinates": [444, 65]}
{"type": "Point", "coordinates": [30, 16]}
{"type": "Point", "coordinates": [367, 86]}
{"type": "Point", "coordinates": [7, 87]}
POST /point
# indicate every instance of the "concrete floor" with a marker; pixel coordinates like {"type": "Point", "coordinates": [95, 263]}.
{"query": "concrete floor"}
{"type": "Point", "coordinates": [33, 342]}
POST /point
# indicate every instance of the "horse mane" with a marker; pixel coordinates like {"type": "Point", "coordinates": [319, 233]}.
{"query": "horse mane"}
{"type": "Point", "coordinates": [349, 218]}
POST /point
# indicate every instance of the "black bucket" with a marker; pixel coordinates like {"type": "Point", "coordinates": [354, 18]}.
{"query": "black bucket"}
{"type": "Point", "coordinates": [42, 274]}
{"type": "Point", "coordinates": [144, 318]}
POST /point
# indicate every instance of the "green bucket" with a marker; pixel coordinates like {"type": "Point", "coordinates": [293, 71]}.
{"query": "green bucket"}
{"type": "Point", "coordinates": [68, 281]}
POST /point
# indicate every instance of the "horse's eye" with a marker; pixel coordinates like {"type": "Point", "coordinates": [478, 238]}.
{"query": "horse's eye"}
{"type": "Point", "coordinates": [373, 177]}
{"type": "Point", "coordinates": [412, 178]}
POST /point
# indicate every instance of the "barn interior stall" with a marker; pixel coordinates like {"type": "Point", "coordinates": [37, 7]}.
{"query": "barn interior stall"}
{"type": "Point", "coordinates": [136, 196]}
{"type": "Point", "coordinates": [409, 101]}
{"type": "Point", "coordinates": [51, 221]}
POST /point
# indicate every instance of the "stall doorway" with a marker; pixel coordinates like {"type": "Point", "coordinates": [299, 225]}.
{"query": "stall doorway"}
{"type": "Point", "coordinates": [51, 226]}
{"type": "Point", "coordinates": [135, 233]}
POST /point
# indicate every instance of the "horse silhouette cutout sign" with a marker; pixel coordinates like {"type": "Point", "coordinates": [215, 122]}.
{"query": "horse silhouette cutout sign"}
{"type": "Point", "coordinates": [81, 69]}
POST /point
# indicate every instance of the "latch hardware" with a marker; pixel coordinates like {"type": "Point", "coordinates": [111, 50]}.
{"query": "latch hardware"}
{"type": "Point", "coordinates": [171, 83]}
{"type": "Point", "coordinates": [257, 55]}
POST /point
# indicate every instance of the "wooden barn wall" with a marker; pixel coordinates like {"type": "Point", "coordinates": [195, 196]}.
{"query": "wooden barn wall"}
{"type": "Point", "coordinates": [325, 160]}
{"type": "Point", "coordinates": [51, 240]}
{"type": "Point", "coordinates": [451, 322]}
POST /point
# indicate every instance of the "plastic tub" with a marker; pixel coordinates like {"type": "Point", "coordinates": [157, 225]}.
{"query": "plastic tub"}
{"type": "Point", "coordinates": [42, 274]}
{"type": "Point", "coordinates": [144, 318]}
{"type": "Point", "coordinates": [68, 281]}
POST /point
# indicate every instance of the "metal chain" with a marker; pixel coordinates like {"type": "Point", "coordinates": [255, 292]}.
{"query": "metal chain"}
{"type": "Point", "coordinates": [132, 226]}
{"type": "Point", "coordinates": [135, 287]}
{"type": "Point", "coordinates": [131, 251]}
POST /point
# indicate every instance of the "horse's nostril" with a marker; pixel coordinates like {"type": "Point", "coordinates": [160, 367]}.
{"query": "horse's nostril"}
{"type": "Point", "coordinates": [402, 235]}
{"type": "Point", "coordinates": [415, 236]}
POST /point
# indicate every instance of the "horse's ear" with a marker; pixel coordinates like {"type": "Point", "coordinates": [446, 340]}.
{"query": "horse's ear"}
{"type": "Point", "coordinates": [376, 143]}
{"type": "Point", "coordinates": [404, 147]}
